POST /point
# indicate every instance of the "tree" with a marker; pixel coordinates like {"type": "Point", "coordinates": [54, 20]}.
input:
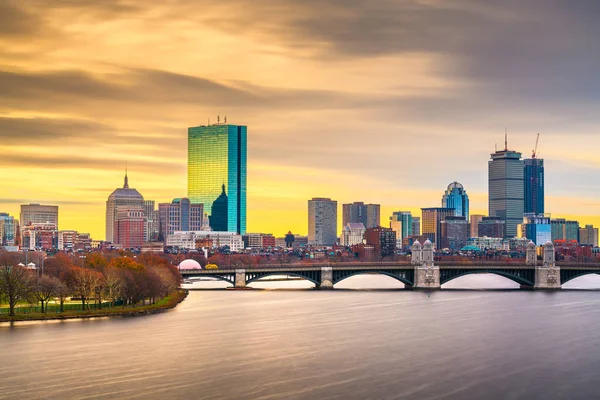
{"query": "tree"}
{"type": "Point", "coordinates": [84, 282]}
{"type": "Point", "coordinates": [113, 286]}
{"type": "Point", "coordinates": [16, 284]}
{"type": "Point", "coordinates": [46, 288]}
{"type": "Point", "coordinates": [62, 292]}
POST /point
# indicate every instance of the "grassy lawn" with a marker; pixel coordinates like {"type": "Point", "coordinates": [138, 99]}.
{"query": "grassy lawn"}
{"type": "Point", "coordinates": [168, 302]}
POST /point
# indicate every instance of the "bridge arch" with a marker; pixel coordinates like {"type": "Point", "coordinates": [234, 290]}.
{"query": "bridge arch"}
{"type": "Point", "coordinates": [225, 278]}
{"type": "Point", "coordinates": [567, 276]}
{"type": "Point", "coordinates": [449, 276]}
{"type": "Point", "coordinates": [253, 277]}
{"type": "Point", "coordinates": [339, 276]}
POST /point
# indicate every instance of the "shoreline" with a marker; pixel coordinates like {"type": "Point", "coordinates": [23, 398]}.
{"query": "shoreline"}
{"type": "Point", "coordinates": [171, 302]}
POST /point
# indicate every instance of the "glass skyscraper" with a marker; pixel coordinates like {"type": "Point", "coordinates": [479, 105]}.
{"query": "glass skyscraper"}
{"type": "Point", "coordinates": [505, 186]}
{"type": "Point", "coordinates": [217, 158]}
{"type": "Point", "coordinates": [534, 185]}
{"type": "Point", "coordinates": [456, 197]}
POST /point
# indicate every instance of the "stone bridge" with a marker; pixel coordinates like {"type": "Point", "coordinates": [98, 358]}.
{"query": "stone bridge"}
{"type": "Point", "coordinates": [419, 273]}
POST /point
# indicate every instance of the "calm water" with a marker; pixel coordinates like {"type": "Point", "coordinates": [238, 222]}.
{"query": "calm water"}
{"type": "Point", "coordinates": [307, 344]}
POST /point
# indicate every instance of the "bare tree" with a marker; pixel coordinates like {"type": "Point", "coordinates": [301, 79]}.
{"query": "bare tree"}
{"type": "Point", "coordinates": [16, 284]}
{"type": "Point", "coordinates": [45, 289]}
{"type": "Point", "coordinates": [62, 292]}
{"type": "Point", "coordinates": [113, 286]}
{"type": "Point", "coordinates": [84, 282]}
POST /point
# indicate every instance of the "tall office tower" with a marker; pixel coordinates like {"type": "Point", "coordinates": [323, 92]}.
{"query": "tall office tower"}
{"type": "Point", "coordinates": [475, 219]}
{"type": "Point", "coordinates": [416, 226]}
{"type": "Point", "coordinates": [536, 227]}
{"type": "Point", "coordinates": [150, 221]}
{"type": "Point", "coordinates": [128, 231]}
{"type": "Point", "coordinates": [564, 230]}
{"type": "Point", "coordinates": [39, 214]}
{"type": "Point", "coordinates": [402, 223]}
{"type": "Point", "coordinates": [432, 218]}
{"type": "Point", "coordinates": [7, 230]}
{"type": "Point", "coordinates": [179, 215]}
{"type": "Point", "coordinates": [588, 236]}
{"type": "Point", "coordinates": [217, 158]}
{"type": "Point", "coordinates": [534, 185]}
{"type": "Point", "coordinates": [322, 221]}
{"type": "Point", "coordinates": [456, 197]}
{"type": "Point", "coordinates": [505, 187]}
{"type": "Point", "coordinates": [454, 233]}
{"type": "Point", "coordinates": [124, 196]}
{"type": "Point", "coordinates": [360, 213]}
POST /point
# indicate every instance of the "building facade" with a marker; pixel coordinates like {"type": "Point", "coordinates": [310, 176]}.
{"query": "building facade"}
{"type": "Point", "coordinates": [382, 239]}
{"type": "Point", "coordinates": [128, 231]}
{"type": "Point", "coordinates": [536, 227]}
{"type": "Point", "coordinates": [8, 228]}
{"type": "Point", "coordinates": [493, 227]}
{"type": "Point", "coordinates": [121, 197]}
{"type": "Point", "coordinates": [454, 232]}
{"type": "Point", "coordinates": [322, 221]}
{"type": "Point", "coordinates": [39, 236]}
{"type": "Point", "coordinates": [205, 239]}
{"type": "Point", "coordinates": [474, 220]}
{"type": "Point", "coordinates": [505, 189]}
{"type": "Point", "coordinates": [402, 223]}
{"type": "Point", "coordinates": [217, 164]}
{"type": "Point", "coordinates": [533, 175]}
{"type": "Point", "coordinates": [416, 226]}
{"type": "Point", "coordinates": [360, 213]}
{"type": "Point", "coordinates": [259, 240]}
{"type": "Point", "coordinates": [431, 219]}
{"type": "Point", "coordinates": [39, 214]}
{"type": "Point", "coordinates": [151, 232]}
{"type": "Point", "coordinates": [588, 236]}
{"type": "Point", "coordinates": [564, 230]}
{"type": "Point", "coordinates": [179, 215]}
{"type": "Point", "coordinates": [352, 233]}
{"type": "Point", "coordinates": [456, 197]}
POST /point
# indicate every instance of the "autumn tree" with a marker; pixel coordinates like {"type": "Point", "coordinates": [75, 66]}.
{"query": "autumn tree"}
{"type": "Point", "coordinates": [113, 285]}
{"type": "Point", "coordinates": [46, 288]}
{"type": "Point", "coordinates": [16, 284]}
{"type": "Point", "coordinates": [84, 282]}
{"type": "Point", "coordinates": [62, 292]}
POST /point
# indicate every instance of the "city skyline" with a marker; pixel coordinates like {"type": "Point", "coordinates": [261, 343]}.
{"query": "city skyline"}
{"type": "Point", "coordinates": [72, 113]}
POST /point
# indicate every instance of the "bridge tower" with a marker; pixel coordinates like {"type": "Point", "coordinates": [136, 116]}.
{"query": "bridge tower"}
{"type": "Point", "coordinates": [547, 276]}
{"type": "Point", "coordinates": [326, 278]}
{"type": "Point", "coordinates": [240, 279]}
{"type": "Point", "coordinates": [531, 254]}
{"type": "Point", "coordinates": [427, 275]}
{"type": "Point", "coordinates": [416, 250]}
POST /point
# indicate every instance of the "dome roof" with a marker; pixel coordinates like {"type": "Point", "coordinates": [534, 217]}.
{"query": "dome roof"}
{"type": "Point", "coordinates": [455, 185]}
{"type": "Point", "coordinates": [416, 243]}
{"type": "Point", "coordinates": [189, 264]}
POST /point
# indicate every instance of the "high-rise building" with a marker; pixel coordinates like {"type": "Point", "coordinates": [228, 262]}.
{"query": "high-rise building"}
{"type": "Point", "coordinates": [217, 160]}
{"type": "Point", "coordinates": [416, 226]}
{"type": "Point", "coordinates": [505, 186]}
{"type": "Point", "coordinates": [454, 232]}
{"type": "Point", "coordinates": [124, 196]}
{"type": "Point", "coordinates": [179, 215]}
{"type": "Point", "coordinates": [533, 185]}
{"type": "Point", "coordinates": [128, 231]}
{"type": "Point", "coordinates": [474, 220]}
{"type": "Point", "coordinates": [456, 197]}
{"type": "Point", "coordinates": [352, 233]}
{"type": "Point", "coordinates": [402, 223]}
{"type": "Point", "coordinates": [536, 227]}
{"type": "Point", "coordinates": [360, 213]}
{"type": "Point", "coordinates": [8, 227]}
{"type": "Point", "coordinates": [322, 221]}
{"type": "Point", "coordinates": [151, 233]}
{"type": "Point", "coordinates": [564, 230]}
{"type": "Point", "coordinates": [432, 218]}
{"type": "Point", "coordinates": [383, 239]}
{"type": "Point", "coordinates": [491, 227]}
{"type": "Point", "coordinates": [39, 214]}
{"type": "Point", "coordinates": [588, 236]}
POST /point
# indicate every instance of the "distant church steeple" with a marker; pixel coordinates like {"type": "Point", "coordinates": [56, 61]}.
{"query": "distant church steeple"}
{"type": "Point", "coordinates": [126, 183]}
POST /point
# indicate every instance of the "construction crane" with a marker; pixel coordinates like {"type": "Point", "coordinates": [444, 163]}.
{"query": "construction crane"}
{"type": "Point", "coordinates": [536, 145]}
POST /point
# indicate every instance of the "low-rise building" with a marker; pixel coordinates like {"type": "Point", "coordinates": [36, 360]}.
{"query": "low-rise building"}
{"type": "Point", "coordinates": [192, 240]}
{"type": "Point", "coordinates": [353, 233]}
{"type": "Point", "coordinates": [382, 239]}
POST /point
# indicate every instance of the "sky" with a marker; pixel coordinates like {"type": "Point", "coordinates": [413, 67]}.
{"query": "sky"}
{"type": "Point", "coordinates": [357, 100]}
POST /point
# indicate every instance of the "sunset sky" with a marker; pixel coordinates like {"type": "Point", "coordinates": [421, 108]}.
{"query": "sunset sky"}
{"type": "Point", "coordinates": [358, 100]}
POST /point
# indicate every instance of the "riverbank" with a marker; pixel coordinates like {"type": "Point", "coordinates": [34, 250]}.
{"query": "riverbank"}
{"type": "Point", "coordinates": [162, 305]}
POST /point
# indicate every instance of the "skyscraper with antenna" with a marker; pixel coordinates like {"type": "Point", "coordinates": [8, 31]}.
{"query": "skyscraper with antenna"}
{"type": "Point", "coordinates": [505, 188]}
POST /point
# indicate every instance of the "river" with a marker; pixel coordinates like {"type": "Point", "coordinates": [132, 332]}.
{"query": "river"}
{"type": "Point", "coordinates": [311, 344]}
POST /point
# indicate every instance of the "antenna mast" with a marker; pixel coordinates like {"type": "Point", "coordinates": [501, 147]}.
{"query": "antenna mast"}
{"type": "Point", "coordinates": [505, 140]}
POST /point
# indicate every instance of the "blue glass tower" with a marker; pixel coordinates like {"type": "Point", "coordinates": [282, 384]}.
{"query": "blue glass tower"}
{"type": "Point", "coordinates": [456, 197]}
{"type": "Point", "coordinates": [217, 163]}
{"type": "Point", "coordinates": [534, 185]}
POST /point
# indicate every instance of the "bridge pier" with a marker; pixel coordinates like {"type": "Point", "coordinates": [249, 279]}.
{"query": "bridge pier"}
{"type": "Point", "coordinates": [427, 275]}
{"type": "Point", "coordinates": [326, 278]}
{"type": "Point", "coordinates": [548, 275]}
{"type": "Point", "coordinates": [240, 279]}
